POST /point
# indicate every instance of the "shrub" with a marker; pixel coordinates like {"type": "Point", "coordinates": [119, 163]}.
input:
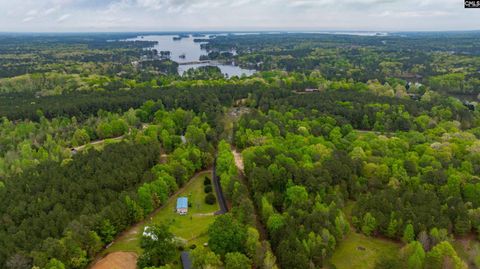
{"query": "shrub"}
{"type": "Point", "coordinates": [210, 199]}
{"type": "Point", "coordinates": [207, 181]}
{"type": "Point", "coordinates": [208, 188]}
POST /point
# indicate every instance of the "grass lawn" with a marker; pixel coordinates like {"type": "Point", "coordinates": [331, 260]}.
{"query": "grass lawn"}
{"type": "Point", "coordinates": [192, 227]}
{"type": "Point", "coordinates": [361, 252]}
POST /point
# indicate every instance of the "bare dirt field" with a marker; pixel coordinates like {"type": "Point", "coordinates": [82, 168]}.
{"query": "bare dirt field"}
{"type": "Point", "coordinates": [238, 159]}
{"type": "Point", "coordinates": [117, 260]}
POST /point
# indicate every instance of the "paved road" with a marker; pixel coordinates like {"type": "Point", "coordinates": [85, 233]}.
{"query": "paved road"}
{"type": "Point", "coordinates": [218, 190]}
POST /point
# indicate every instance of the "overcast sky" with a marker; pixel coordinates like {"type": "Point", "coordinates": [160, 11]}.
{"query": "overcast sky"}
{"type": "Point", "coordinates": [175, 15]}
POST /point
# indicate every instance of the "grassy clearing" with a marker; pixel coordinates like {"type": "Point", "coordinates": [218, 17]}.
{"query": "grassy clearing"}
{"type": "Point", "coordinates": [361, 252]}
{"type": "Point", "coordinates": [192, 227]}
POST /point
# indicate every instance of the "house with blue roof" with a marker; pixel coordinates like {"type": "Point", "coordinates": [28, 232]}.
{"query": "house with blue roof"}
{"type": "Point", "coordinates": [182, 205]}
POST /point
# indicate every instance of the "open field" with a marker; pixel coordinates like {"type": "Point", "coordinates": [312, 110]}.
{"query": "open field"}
{"type": "Point", "coordinates": [118, 260]}
{"type": "Point", "coordinates": [361, 252]}
{"type": "Point", "coordinates": [192, 227]}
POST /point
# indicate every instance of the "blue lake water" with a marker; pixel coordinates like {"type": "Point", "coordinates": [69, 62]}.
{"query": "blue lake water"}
{"type": "Point", "coordinates": [186, 50]}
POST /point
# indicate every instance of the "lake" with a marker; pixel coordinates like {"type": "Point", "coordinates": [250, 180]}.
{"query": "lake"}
{"type": "Point", "coordinates": [186, 50]}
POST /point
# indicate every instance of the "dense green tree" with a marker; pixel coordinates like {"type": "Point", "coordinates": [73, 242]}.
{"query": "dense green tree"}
{"type": "Point", "coordinates": [80, 137]}
{"type": "Point", "coordinates": [442, 255]}
{"type": "Point", "coordinates": [408, 234]}
{"type": "Point", "coordinates": [158, 245]}
{"type": "Point", "coordinates": [415, 255]}
{"type": "Point", "coordinates": [236, 260]}
{"type": "Point", "coordinates": [210, 199]}
{"type": "Point", "coordinates": [54, 264]}
{"type": "Point", "coordinates": [226, 235]}
{"type": "Point", "coordinates": [369, 224]}
{"type": "Point", "coordinates": [203, 258]}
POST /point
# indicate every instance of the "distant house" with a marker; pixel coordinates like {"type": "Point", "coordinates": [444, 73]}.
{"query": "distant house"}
{"type": "Point", "coordinates": [182, 205]}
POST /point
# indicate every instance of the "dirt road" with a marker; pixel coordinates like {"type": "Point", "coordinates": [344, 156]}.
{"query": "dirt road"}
{"type": "Point", "coordinates": [117, 260]}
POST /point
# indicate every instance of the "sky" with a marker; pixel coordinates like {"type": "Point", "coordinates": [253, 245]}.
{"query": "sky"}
{"type": "Point", "coordinates": [235, 15]}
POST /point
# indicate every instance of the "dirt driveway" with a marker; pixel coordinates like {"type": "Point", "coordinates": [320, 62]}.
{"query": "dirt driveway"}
{"type": "Point", "coordinates": [117, 260]}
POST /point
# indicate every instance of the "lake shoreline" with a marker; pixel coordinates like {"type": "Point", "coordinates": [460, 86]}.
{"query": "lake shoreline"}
{"type": "Point", "coordinates": [187, 53]}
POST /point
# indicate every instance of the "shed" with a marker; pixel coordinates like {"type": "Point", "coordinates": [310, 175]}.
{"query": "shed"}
{"type": "Point", "coordinates": [182, 205]}
{"type": "Point", "coordinates": [186, 262]}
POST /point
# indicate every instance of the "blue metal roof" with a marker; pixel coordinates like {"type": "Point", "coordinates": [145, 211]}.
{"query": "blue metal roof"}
{"type": "Point", "coordinates": [182, 202]}
{"type": "Point", "coordinates": [187, 263]}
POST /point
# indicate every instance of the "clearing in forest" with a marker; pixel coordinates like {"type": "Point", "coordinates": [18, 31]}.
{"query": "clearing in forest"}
{"type": "Point", "coordinates": [192, 227]}
{"type": "Point", "coordinates": [359, 251]}
{"type": "Point", "coordinates": [118, 260]}
{"type": "Point", "coordinates": [238, 160]}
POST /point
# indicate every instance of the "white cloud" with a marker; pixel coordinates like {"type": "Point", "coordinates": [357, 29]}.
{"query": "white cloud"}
{"type": "Point", "coordinates": [49, 11]}
{"type": "Point", "coordinates": [63, 17]}
{"type": "Point", "coordinates": [240, 3]}
{"type": "Point", "coordinates": [412, 14]}
{"type": "Point", "coordinates": [158, 15]}
{"type": "Point", "coordinates": [153, 4]}
{"type": "Point", "coordinates": [32, 12]}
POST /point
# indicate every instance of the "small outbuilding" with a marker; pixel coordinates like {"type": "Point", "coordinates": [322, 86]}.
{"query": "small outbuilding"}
{"type": "Point", "coordinates": [182, 205]}
{"type": "Point", "coordinates": [186, 261]}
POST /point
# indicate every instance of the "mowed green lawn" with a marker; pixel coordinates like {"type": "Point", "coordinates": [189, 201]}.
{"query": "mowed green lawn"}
{"type": "Point", "coordinates": [192, 227]}
{"type": "Point", "coordinates": [361, 252]}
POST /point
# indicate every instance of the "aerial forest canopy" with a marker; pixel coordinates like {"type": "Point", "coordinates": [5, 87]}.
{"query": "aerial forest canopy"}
{"type": "Point", "coordinates": [341, 151]}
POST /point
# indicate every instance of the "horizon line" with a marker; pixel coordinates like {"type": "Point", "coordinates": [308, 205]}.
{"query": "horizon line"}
{"type": "Point", "coordinates": [312, 31]}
